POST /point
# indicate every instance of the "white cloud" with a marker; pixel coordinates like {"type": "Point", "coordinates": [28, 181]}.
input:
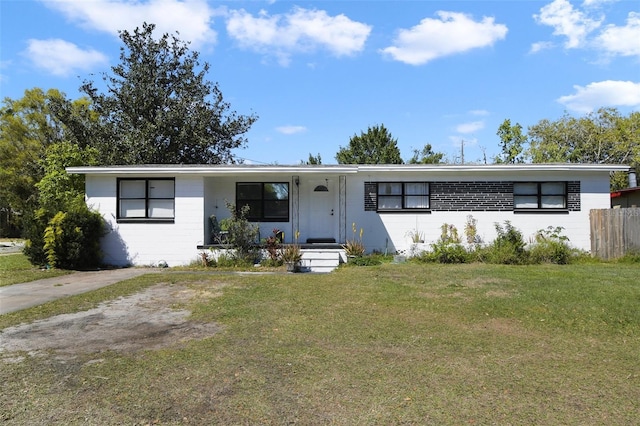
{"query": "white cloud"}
{"type": "Point", "coordinates": [471, 127]}
{"type": "Point", "coordinates": [301, 30]}
{"type": "Point", "coordinates": [62, 58]}
{"type": "Point", "coordinates": [540, 46]}
{"type": "Point", "coordinates": [567, 21]}
{"type": "Point", "coordinates": [190, 18]}
{"type": "Point", "coordinates": [603, 94]}
{"type": "Point", "coordinates": [623, 41]}
{"type": "Point", "coordinates": [479, 112]}
{"type": "Point", "coordinates": [450, 34]}
{"type": "Point", "coordinates": [291, 130]}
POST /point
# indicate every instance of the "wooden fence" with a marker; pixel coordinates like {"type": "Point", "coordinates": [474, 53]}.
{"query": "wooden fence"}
{"type": "Point", "coordinates": [615, 232]}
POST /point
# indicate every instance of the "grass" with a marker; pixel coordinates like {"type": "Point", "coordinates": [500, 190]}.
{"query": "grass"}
{"type": "Point", "coordinates": [389, 344]}
{"type": "Point", "coordinates": [15, 268]}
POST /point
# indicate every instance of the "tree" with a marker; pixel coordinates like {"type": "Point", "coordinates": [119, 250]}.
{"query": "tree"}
{"type": "Point", "coordinates": [158, 108]}
{"type": "Point", "coordinates": [426, 156]}
{"type": "Point", "coordinates": [376, 146]}
{"type": "Point", "coordinates": [313, 160]}
{"type": "Point", "coordinates": [27, 127]}
{"type": "Point", "coordinates": [512, 142]}
{"type": "Point", "coordinates": [601, 137]}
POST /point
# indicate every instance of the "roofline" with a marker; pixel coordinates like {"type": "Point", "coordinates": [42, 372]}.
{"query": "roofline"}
{"type": "Point", "coordinates": [341, 168]}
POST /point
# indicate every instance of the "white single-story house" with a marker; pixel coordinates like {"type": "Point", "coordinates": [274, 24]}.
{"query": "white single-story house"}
{"type": "Point", "coordinates": [161, 213]}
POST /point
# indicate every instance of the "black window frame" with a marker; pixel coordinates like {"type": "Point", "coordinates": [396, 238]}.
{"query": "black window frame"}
{"type": "Point", "coordinates": [263, 202]}
{"type": "Point", "coordinates": [539, 195]}
{"type": "Point", "coordinates": [404, 196]}
{"type": "Point", "coordinates": [146, 218]}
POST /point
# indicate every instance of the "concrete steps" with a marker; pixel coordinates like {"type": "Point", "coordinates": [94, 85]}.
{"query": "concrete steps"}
{"type": "Point", "coordinates": [321, 260]}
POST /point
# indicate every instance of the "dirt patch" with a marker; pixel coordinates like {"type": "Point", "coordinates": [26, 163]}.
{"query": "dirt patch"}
{"type": "Point", "coordinates": [143, 321]}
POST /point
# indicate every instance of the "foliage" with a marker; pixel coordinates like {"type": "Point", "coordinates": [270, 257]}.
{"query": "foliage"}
{"type": "Point", "coordinates": [313, 160]}
{"type": "Point", "coordinates": [72, 239]}
{"type": "Point", "coordinates": [448, 248]}
{"type": "Point", "coordinates": [471, 232]}
{"type": "Point", "coordinates": [551, 246]}
{"type": "Point", "coordinates": [508, 248]}
{"type": "Point", "coordinates": [291, 253]}
{"type": "Point", "coordinates": [416, 236]}
{"type": "Point", "coordinates": [426, 156]}
{"type": "Point", "coordinates": [241, 233]}
{"type": "Point", "coordinates": [273, 244]}
{"type": "Point", "coordinates": [159, 109]}
{"type": "Point", "coordinates": [512, 142]}
{"type": "Point", "coordinates": [57, 188]}
{"type": "Point", "coordinates": [603, 136]}
{"type": "Point", "coordinates": [354, 247]}
{"type": "Point", "coordinates": [376, 146]}
{"type": "Point", "coordinates": [370, 260]}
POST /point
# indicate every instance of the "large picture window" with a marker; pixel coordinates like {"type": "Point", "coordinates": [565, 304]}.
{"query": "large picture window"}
{"type": "Point", "coordinates": [403, 196]}
{"type": "Point", "coordinates": [539, 195]}
{"type": "Point", "coordinates": [268, 202]}
{"type": "Point", "coordinates": [146, 199]}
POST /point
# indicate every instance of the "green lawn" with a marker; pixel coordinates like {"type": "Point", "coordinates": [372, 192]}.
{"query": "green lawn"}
{"type": "Point", "coordinates": [390, 344]}
{"type": "Point", "coordinates": [15, 268]}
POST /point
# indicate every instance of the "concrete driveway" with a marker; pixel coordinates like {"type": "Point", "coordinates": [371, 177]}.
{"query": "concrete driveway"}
{"type": "Point", "coordinates": [21, 296]}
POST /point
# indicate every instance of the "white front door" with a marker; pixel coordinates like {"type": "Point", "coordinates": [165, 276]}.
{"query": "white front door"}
{"type": "Point", "coordinates": [323, 214]}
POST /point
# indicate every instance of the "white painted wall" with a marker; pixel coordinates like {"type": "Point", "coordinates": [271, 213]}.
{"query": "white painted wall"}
{"type": "Point", "coordinates": [143, 244]}
{"type": "Point", "coordinates": [389, 232]}
{"type": "Point", "coordinates": [197, 197]}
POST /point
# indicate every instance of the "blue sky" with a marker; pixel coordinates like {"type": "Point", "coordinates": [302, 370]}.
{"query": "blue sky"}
{"type": "Point", "coordinates": [316, 73]}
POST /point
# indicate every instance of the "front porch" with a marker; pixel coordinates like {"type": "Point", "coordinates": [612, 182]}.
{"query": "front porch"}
{"type": "Point", "coordinates": [316, 257]}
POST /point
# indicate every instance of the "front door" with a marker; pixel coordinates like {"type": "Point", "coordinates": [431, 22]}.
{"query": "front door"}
{"type": "Point", "coordinates": [323, 215]}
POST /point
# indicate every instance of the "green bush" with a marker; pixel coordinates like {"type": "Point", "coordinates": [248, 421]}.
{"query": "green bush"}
{"type": "Point", "coordinates": [72, 239]}
{"type": "Point", "coordinates": [508, 248]}
{"type": "Point", "coordinates": [551, 247]}
{"type": "Point", "coordinates": [448, 248]}
{"type": "Point", "coordinates": [242, 234]}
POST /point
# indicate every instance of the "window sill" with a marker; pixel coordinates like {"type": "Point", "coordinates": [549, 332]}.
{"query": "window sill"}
{"type": "Point", "coordinates": [541, 211]}
{"type": "Point", "coordinates": [427, 211]}
{"type": "Point", "coordinates": [144, 220]}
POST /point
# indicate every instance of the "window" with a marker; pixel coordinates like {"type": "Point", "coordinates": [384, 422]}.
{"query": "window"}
{"type": "Point", "coordinates": [403, 196]}
{"type": "Point", "coordinates": [539, 195]}
{"type": "Point", "coordinates": [268, 202]}
{"type": "Point", "coordinates": [146, 199]}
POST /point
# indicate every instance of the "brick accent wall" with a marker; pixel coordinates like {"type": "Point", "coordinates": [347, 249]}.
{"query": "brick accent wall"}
{"type": "Point", "coordinates": [370, 196]}
{"type": "Point", "coordinates": [573, 196]}
{"type": "Point", "coordinates": [472, 196]}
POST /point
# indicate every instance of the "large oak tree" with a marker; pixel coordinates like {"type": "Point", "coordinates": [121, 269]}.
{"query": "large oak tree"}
{"type": "Point", "coordinates": [158, 108]}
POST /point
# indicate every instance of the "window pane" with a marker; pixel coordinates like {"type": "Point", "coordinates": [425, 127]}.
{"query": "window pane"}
{"type": "Point", "coordinates": [525, 188]}
{"type": "Point", "coordinates": [525, 202]}
{"type": "Point", "coordinates": [249, 191]}
{"type": "Point", "coordinates": [161, 189]}
{"type": "Point", "coordinates": [386, 202]}
{"type": "Point", "coordinates": [552, 188]}
{"type": "Point", "coordinates": [132, 188]}
{"type": "Point", "coordinates": [390, 188]}
{"type": "Point", "coordinates": [132, 208]}
{"type": "Point", "coordinates": [276, 191]}
{"type": "Point", "coordinates": [160, 208]}
{"type": "Point", "coordinates": [416, 188]}
{"type": "Point", "coordinates": [278, 209]}
{"type": "Point", "coordinates": [417, 202]}
{"type": "Point", "coordinates": [255, 209]}
{"type": "Point", "coordinates": [553, 202]}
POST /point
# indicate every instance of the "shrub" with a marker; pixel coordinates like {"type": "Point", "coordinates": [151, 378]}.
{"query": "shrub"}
{"type": "Point", "coordinates": [448, 248]}
{"type": "Point", "coordinates": [551, 246]}
{"type": "Point", "coordinates": [354, 247]}
{"type": "Point", "coordinates": [242, 234]}
{"type": "Point", "coordinates": [72, 239]}
{"type": "Point", "coordinates": [507, 248]}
